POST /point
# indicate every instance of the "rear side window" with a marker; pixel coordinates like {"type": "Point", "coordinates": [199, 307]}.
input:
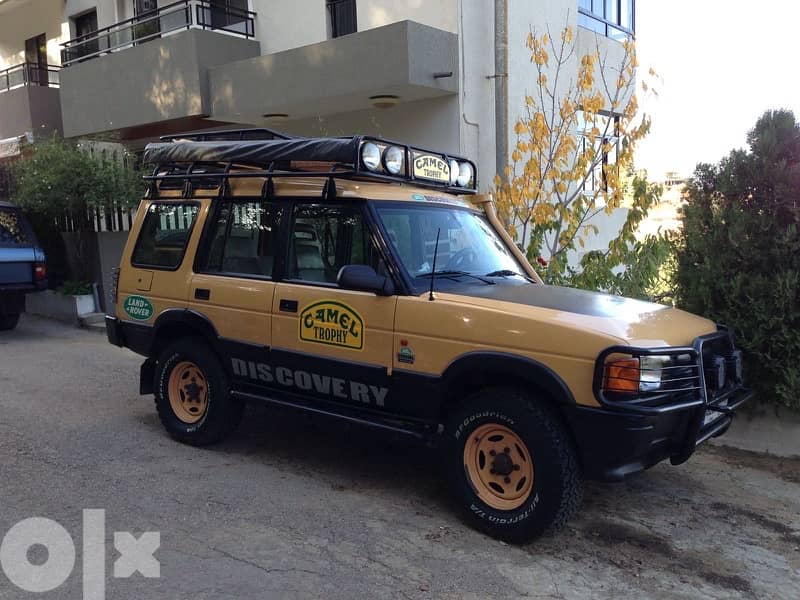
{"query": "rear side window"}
{"type": "Point", "coordinates": [164, 235]}
{"type": "Point", "coordinates": [244, 238]}
{"type": "Point", "coordinates": [12, 229]}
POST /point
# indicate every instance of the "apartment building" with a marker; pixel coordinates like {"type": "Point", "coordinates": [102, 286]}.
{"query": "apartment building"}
{"type": "Point", "coordinates": [449, 74]}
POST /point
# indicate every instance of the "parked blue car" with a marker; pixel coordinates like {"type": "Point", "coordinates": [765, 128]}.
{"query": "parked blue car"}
{"type": "Point", "coordinates": [22, 264]}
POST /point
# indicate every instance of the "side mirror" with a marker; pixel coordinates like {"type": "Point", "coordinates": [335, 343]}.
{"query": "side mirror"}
{"type": "Point", "coordinates": [364, 279]}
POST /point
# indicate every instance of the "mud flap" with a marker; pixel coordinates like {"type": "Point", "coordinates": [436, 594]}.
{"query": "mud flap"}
{"type": "Point", "coordinates": [147, 373]}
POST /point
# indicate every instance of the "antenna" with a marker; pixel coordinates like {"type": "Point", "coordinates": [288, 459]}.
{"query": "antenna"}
{"type": "Point", "coordinates": [433, 270]}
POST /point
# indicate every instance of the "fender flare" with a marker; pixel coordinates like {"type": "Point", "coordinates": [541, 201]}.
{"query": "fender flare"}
{"type": "Point", "coordinates": [466, 366]}
{"type": "Point", "coordinates": [187, 318]}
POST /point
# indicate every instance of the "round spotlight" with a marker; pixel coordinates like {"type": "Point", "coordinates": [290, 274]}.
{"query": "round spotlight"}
{"type": "Point", "coordinates": [454, 169]}
{"type": "Point", "coordinates": [465, 175]}
{"type": "Point", "coordinates": [371, 156]}
{"type": "Point", "coordinates": [393, 159]}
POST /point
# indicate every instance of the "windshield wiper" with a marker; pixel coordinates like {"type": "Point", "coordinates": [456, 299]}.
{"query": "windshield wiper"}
{"type": "Point", "coordinates": [457, 274]}
{"type": "Point", "coordinates": [509, 273]}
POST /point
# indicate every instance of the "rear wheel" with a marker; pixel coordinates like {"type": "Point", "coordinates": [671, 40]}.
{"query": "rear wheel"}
{"type": "Point", "coordinates": [192, 394]}
{"type": "Point", "coordinates": [8, 322]}
{"type": "Point", "coordinates": [511, 465]}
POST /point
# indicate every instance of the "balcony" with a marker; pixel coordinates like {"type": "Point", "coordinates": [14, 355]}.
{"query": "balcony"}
{"type": "Point", "coordinates": [150, 72]}
{"type": "Point", "coordinates": [29, 100]}
{"type": "Point", "coordinates": [398, 63]}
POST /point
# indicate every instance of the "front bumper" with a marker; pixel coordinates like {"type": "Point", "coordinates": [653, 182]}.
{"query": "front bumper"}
{"type": "Point", "coordinates": [620, 438]}
{"type": "Point", "coordinates": [613, 444]}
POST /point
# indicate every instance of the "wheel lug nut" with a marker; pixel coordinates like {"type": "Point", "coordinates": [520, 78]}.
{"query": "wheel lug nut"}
{"type": "Point", "coordinates": [492, 452]}
{"type": "Point", "coordinates": [516, 467]}
{"type": "Point", "coordinates": [506, 449]}
{"type": "Point", "coordinates": [507, 479]}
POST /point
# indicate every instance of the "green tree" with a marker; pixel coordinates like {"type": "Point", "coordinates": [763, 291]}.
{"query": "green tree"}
{"type": "Point", "coordinates": [61, 182]}
{"type": "Point", "coordinates": [739, 258]}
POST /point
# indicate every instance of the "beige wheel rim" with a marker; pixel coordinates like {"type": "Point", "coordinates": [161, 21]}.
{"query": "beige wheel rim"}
{"type": "Point", "coordinates": [188, 392]}
{"type": "Point", "coordinates": [499, 466]}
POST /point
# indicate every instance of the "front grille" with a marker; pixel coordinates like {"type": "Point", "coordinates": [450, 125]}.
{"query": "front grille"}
{"type": "Point", "coordinates": [722, 365]}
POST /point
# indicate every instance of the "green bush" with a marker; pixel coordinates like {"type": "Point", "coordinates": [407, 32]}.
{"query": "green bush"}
{"type": "Point", "coordinates": [739, 258]}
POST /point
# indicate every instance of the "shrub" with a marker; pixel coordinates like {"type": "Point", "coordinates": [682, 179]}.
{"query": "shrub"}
{"type": "Point", "coordinates": [739, 258]}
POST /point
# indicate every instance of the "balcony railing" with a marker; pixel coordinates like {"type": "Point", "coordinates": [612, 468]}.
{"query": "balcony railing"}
{"type": "Point", "coordinates": [153, 24]}
{"type": "Point", "coordinates": [28, 74]}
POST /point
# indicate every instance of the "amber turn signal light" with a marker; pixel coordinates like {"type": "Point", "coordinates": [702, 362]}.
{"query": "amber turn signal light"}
{"type": "Point", "coordinates": [622, 375]}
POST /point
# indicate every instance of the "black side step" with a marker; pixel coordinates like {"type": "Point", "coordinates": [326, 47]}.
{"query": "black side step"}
{"type": "Point", "coordinates": [418, 432]}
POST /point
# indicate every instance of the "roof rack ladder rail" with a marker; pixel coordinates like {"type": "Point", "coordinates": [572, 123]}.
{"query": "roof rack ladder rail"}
{"type": "Point", "coordinates": [152, 191]}
{"type": "Point", "coordinates": [224, 185]}
{"type": "Point", "coordinates": [187, 182]}
{"type": "Point", "coordinates": [268, 189]}
{"type": "Point", "coordinates": [329, 189]}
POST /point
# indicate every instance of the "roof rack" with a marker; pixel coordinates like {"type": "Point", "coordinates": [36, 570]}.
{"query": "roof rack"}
{"type": "Point", "coordinates": [186, 160]}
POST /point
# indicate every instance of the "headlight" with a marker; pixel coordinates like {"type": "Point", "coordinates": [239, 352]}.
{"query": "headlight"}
{"type": "Point", "coordinates": [393, 159]}
{"type": "Point", "coordinates": [454, 171]}
{"type": "Point", "coordinates": [371, 156]}
{"type": "Point", "coordinates": [651, 368]}
{"type": "Point", "coordinates": [465, 175]}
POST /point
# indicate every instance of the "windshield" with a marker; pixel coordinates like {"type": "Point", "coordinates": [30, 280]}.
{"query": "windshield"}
{"type": "Point", "coordinates": [467, 242]}
{"type": "Point", "coordinates": [12, 232]}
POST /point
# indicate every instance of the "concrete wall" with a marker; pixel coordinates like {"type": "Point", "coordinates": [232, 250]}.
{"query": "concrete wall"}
{"type": "Point", "coordinates": [339, 75]}
{"type": "Point", "coordinates": [30, 109]}
{"type": "Point", "coordinates": [110, 245]}
{"type": "Point", "coordinates": [157, 81]}
{"type": "Point", "coordinates": [278, 27]}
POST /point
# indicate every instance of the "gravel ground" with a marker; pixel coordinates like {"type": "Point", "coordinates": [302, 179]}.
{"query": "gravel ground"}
{"type": "Point", "coordinates": [292, 508]}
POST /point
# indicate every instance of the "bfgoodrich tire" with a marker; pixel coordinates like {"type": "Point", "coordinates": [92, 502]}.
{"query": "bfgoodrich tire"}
{"type": "Point", "coordinates": [511, 465]}
{"type": "Point", "coordinates": [8, 322]}
{"type": "Point", "coordinates": [192, 394]}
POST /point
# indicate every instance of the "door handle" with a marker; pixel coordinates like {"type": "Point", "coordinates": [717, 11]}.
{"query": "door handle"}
{"type": "Point", "coordinates": [288, 306]}
{"type": "Point", "coordinates": [202, 294]}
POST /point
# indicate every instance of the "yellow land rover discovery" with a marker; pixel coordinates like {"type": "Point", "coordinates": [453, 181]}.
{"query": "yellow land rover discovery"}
{"type": "Point", "coordinates": [365, 280]}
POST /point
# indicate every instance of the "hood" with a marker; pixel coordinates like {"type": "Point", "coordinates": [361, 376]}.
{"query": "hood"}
{"type": "Point", "coordinates": [633, 322]}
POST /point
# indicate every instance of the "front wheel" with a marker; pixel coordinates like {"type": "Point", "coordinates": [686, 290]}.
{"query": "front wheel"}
{"type": "Point", "coordinates": [8, 322]}
{"type": "Point", "coordinates": [192, 394]}
{"type": "Point", "coordinates": [511, 465]}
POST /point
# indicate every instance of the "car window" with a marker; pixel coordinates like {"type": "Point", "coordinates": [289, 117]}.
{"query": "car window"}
{"type": "Point", "coordinates": [467, 242]}
{"type": "Point", "coordinates": [12, 228]}
{"type": "Point", "coordinates": [326, 237]}
{"type": "Point", "coordinates": [244, 239]}
{"type": "Point", "coordinates": [164, 235]}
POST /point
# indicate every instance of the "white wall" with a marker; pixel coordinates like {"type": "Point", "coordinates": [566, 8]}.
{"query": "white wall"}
{"type": "Point", "coordinates": [283, 24]}
{"type": "Point", "coordinates": [442, 14]}
{"type": "Point", "coordinates": [28, 20]}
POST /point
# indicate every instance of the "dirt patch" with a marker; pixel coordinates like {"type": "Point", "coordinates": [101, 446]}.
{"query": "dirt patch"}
{"type": "Point", "coordinates": [633, 547]}
{"type": "Point", "coordinates": [787, 469]}
{"type": "Point", "coordinates": [788, 534]}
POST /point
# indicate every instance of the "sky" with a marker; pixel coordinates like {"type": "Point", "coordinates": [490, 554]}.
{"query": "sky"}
{"type": "Point", "coordinates": [721, 64]}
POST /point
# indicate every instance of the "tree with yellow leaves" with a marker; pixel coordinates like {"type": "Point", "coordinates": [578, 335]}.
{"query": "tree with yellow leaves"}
{"type": "Point", "coordinates": [573, 157]}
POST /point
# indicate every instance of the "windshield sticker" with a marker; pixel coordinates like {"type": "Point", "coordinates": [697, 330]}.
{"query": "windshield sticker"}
{"type": "Point", "coordinates": [451, 201]}
{"type": "Point", "coordinates": [332, 323]}
{"type": "Point", "coordinates": [434, 168]}
{"type": "Point", "coordinates": [138, 308]}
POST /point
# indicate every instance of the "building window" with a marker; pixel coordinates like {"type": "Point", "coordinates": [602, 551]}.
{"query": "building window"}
{"type": "Point", "coordinates": [341, 17]}
{"type": "Point", "coordinates": [36, 60]}
{"type": "Point", "coordinates": [85, 35]}
{"type": "Point", "coordinates": [598, 139]}
{"type": "Point", "coordinates": [612, 18]}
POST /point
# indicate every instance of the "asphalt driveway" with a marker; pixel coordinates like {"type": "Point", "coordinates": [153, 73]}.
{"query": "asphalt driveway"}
{"type": "Point", "coordinates": [293, 508]}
